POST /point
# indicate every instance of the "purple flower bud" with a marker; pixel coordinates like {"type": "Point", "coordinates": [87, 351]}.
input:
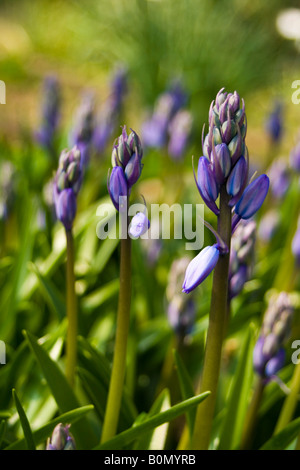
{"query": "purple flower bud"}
{"type": "Point", "coordinates": [138, 225]}
{"type": "Point", "coordinates": [275, 363]}
{"type": "Point", "coordinates": [117, 186]}
{"type": "Point", "coordinates": [122, 147]}
{"type": "Point", "coordinates": [66, 207]}
{"type": "Point", "coordinates": [200, 267]}
{"type": "Point", "coordinates": [221, 160]}
{"type": "Point", "coordinates": [206, 180]}
{"type": "Point", "coordinates": [237, 177]}
{"type": "Point", "coordinates": [253, 197]}
{"type": "Point", "coordinates": [133, 170]}
{"type": "Point", "coordinates": [61, 439]}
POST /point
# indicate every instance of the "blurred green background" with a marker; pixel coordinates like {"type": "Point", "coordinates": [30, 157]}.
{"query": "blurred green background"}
{"type": "Point", "coordinates": [208, 44]}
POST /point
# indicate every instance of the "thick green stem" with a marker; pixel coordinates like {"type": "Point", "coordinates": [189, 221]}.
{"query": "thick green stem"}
{"type": "Point", "coordinates": [119, 362]}
{"type": "Point", "coordinates": [215, 333]}
{"type": "Point", "coordinates": [71, 347]}
{"type": "Point", "coordinates": [251, 417]}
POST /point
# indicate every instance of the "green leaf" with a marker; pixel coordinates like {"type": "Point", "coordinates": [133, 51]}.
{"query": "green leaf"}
{"type": "Point", "coordinates": [147, 438]}
{"type": "Point", "coordinates": [52, 295]}
{"type": "Point", "coordinates": [238, 397]}
{"type": "Point", "coordinates": [281, 440]}
{"type": "Point", "coordinates": [135, 432]}
{"type": "Point", "coordinates": [62, 392]}
{"type": "Point", "coordinates": [40, 435]}
{"type": "Point", "coordinates": [101, 295]}
{"type": "Point", "coordinates": [24, 422]}
{"type": "Point", "coordinates": [186, 387]}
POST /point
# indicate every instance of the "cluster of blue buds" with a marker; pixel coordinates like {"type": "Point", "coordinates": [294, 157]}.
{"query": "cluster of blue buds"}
{"type": "Point", "coordinates": [111, 111]}
{"type": "Point", "coordinates": [51, 103]}
{"type": "Point", "coordinates": [82, 132]}
{"type": "Point", "coordinates": [165, 122]}
{"type": "Point", "coordinates": [67, 183]}
{"type": "Point", "coordinates": [225, 164]}
{"type": "Point", "coordinates": [269, 352]}
{"type": "Point", "coordinates": [127, 167]}
{"type": "Point", "coordinates": [241, 256]}
{"type": "Point", "coordinates": [61, 439]}
{"type": "Point", "coordinates": [181, 309]}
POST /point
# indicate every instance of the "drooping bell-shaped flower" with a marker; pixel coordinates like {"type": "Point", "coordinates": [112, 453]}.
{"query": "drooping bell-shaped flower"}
{"type": "Point", "coordinates": [200, 267]}
{"type": "Point", "coordinates": [253, 197]}
{"type": "Point", "coordinates": [139, 225]}
{"type": "Point", "coordinates": [181, 309]}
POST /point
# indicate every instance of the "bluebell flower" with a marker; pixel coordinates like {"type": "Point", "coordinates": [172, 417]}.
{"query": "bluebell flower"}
{"type": "Point", "coordinates": [253, 197]}
{"type": "Point", "coordinates": [269, 354]}
{"type": "Point", "coordinates": [200, 267]}
{"type": "Point", "coordinates": [139, 225]}
{"type": "Point", "coordinates": [117, 186]}
{"type": "Point", "coordinates": [67, 183]}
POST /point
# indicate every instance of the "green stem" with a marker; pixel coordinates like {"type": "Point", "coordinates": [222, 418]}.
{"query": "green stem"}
{"type": "Point", "coordinates": [290, 402]}
{"type": "Point", "coordinates": [71, 347]}
{"type": "Point", "coordinates": [215, 333]}
{"type": "Point", "coordinates": [251, 417]}
{"type": "Point", "coordinates": [119, 362]}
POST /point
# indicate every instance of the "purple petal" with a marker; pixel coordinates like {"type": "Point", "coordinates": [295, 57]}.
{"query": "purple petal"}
{"type": "Point", "coordinates": [200, 267]}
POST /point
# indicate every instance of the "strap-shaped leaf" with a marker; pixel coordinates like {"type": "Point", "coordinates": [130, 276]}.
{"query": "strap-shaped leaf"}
{"type": "Point", "coordinates": [40, 435]}
{"type": "Point", "coordinates": [62, 392]}
{"type": "Point", "coordinates": [24, 422]}
{"type": "Point", "coordinates": [128, 436]}
{"type": "Point", "coordinates": [281, 440]}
